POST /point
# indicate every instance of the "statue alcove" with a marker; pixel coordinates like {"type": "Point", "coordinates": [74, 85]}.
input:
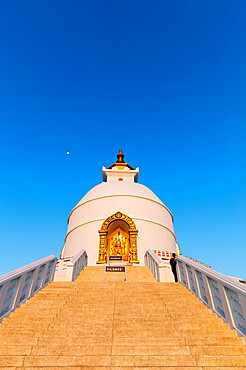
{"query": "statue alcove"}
{"type": "Point", "coordinates": [114, 224]}
{"type": "Point", "coordinates": [118, 242]}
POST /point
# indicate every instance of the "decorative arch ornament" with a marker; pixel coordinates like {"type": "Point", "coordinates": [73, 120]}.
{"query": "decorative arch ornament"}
{"type": "Point", "coordinates": [103, 233]}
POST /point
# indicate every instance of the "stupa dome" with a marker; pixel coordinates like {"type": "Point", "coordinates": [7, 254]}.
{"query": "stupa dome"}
{"type": "Point", "coordinates": [114, 188]}
{"type": "Point", "coordinates": [119, 216]}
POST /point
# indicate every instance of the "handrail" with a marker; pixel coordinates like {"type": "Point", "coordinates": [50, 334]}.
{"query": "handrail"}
{"type": "Point", "coordinates": [222, 294]}
{"type": "Point", "coordinates": [17, 286]}
{"type": "Point", "coordinates": [69, 269]}
{"type": "Point", "coordinates": [160, 268]}
{"type": "Point", "coordinates": [152, 261]}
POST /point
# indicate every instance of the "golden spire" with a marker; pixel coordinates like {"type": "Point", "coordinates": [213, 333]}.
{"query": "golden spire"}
{"type": "Point", "coordinates": [120, 164]}
{"type": "Point", "coordinates": [120, 157]}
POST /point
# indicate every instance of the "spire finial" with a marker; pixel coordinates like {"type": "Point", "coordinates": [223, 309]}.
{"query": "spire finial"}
{"type": "Point", "coordinates": [120, 164]}
{"type": "Point", "coordinates": [120, 157]}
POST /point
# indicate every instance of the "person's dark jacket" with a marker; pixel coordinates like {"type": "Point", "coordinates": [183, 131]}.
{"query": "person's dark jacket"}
{"type": "Point", "coordinates": [173, 263]}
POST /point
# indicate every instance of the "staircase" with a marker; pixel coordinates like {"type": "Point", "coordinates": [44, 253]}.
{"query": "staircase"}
{"type": "Point", "coordinates": [138, 324]}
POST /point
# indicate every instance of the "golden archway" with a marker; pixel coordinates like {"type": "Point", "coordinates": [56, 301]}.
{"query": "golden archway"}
{"type": "Point", "coordinates": [103, 234]}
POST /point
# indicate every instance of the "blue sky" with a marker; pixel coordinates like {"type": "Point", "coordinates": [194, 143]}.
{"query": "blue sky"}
{"type": "Point", "coordinates": [164, 80]}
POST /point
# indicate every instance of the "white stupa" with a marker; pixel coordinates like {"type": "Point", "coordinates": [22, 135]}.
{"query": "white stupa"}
{"type": "Point", "coordinates": [119, 217]}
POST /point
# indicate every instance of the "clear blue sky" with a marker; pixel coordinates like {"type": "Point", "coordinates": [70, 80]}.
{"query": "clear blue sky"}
{"type": "Point", "coordinates": [163, 80]}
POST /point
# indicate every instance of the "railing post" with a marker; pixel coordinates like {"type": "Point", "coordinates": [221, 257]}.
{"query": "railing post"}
{"type": "Point", "coordinates": [158, 273]}
{"type": "Point", "coordinates": [226, 306]}
{"type": "Point", "coordinates": [19, 290]}
{"type": "Point", "coordinates": [197, 288]}
{"type": "Point", "coordinates": [44, 276]}
{"type": "Point", "coordinates": [34, 280]}
{"type": "Point", "coordinates": [155, 271]}
{"type": "Point", "coordinates": [243, 303]}
{"type": "Point", "coordinates": [178, 271]}
{"type": "Point", "coordinates": [186, 277]}
{"type": "Point", "coordinates": [3, 292]}
{"type": "Point", "coordinates": [208, 291]}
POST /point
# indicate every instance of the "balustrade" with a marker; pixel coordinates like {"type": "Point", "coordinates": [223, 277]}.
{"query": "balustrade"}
{"type": "Point", "coordinates": [222, 294]}
{"type": "Point", "coordinates": [21, 284]}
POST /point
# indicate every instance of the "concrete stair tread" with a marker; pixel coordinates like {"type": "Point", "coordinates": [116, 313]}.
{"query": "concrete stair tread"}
{"type": "Point", "coordinates": [139, 324]}
{"type": "Point", "coordinates": [154, 350]}
{"type": "Point", "coordinates": [120, 367]}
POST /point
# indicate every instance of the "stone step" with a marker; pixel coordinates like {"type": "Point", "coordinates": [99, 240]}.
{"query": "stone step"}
{"type": "Point", "coordinates": [164, 326]}
{"type": "Point", "coordinates": [152, 361]}
{"type": "Point", "coordinates": [40, 314]}
{"type": "Point", "coordinates": [164, 320]}
{"type": "Point", "coordinates": [110, 325]}
{"type": "Point", "coordinates": [15, 350]}
{"type": "Point", "coordinates": [74, 333]}
{"type": "Point", "coordinates": [59, 320]}
{"type": "Point", "coordinates": [22, 326]}
{"type": "Point", "coordinates": [221, 361]}
{"type": "Point", "coordinates": [72, 350]}
{"type": "Point", "coordinates": [24, 333]}
{"type": "Point", "coordinates": [75, 341]}
{"type": "Point", "coordinates": [115, 325]}
{"type": "Point", "coordinates": [215, 341]}
{"type": "Point", "coordinates": [18, 341]}
{"type": "Point", "coordinates": [176, 341]}
{"type": "Point", "coordinates": [170, 333]}
{"type": "Point", "coordinates": [119, 321]}
{"type": "Point", "coordinates": [218, 350]}
{"type": "Point", "coordinates": [178, 361]}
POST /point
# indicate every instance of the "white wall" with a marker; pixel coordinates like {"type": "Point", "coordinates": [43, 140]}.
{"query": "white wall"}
{"type": "Point", "coordinates": [149, 236]}
{"type": "Point", "coordinates": [135, 207]}
{"type": "Point", "coordinates": [153, 221]}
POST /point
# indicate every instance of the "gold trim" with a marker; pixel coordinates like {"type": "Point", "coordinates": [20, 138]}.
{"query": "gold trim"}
{"type": "Point", "coordinates": [104, 232]}
{"type": "Point", "coordinates": [120, 195]}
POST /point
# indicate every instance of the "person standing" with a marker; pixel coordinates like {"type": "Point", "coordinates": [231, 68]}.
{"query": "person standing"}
{"type": "Point", "coordinates": [173, 264]}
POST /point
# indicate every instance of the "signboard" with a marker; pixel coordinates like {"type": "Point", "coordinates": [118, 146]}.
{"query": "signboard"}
{"type": "Point", "coordinates": [115, 268]}
{"type": "Point", "coordinates": [115, 258]}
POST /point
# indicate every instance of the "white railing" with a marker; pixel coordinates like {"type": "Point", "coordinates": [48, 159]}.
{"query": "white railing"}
{"type": "Point", "coordinates": [68, 268]}
{"type": "Point", "coordinates": [21, 284]}
{"type": "Point", "coordinates": [160, 268]}
{"type": "Point", "coordinates": [222, 294]}
{"type": "Point", "coordinates": [152, 261]}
